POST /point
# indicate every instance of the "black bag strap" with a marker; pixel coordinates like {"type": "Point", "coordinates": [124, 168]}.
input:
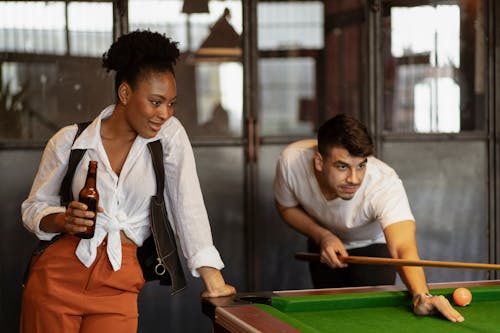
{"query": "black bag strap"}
{"type": "Point", "coordinates": [66, 196]}
{"type": "Point", "coordinates": [75, 156]}
{"type": "Point", "coordinates": [163, 235]}
{"type": "Point", "coordinates": [156, 150]}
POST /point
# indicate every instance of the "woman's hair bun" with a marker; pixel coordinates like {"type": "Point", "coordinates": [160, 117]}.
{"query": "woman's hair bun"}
{"type": "Point", "coordinates": [140, 48]}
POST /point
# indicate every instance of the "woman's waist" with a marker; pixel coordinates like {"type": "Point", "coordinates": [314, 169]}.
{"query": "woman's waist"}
{"type": "Point", "coordinates": [125, 240]}
{"type": "Point", "coordinates": [128, 234]}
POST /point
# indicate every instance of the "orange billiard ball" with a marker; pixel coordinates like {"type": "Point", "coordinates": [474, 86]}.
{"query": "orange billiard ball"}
{"type": "Point", "coordinates": [462, 296]}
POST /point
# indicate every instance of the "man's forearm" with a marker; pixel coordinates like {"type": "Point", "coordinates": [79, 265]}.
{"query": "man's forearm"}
{"type": "Point", "coordinates": [412, 276]}
{"type": "Point", "coordinates": [414, 279]}
{"type": "Point", "coordinates": [401, 241]}
{"type": "Point", "coordinates": [302, 222]}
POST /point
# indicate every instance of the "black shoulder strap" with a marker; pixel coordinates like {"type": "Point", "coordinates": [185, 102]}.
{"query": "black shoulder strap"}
{"type": "Point", "coordinates": [156, 150]}
{"type": "Point", "coordinates": [161, 230]}
{"type": "Point", "coordinates": [75, 156]}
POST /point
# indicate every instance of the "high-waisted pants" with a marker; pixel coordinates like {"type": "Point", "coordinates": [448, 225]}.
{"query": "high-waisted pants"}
{"type": "Point", "coordinates": [64, 296]}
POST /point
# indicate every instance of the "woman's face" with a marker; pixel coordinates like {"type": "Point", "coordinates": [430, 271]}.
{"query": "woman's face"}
{"type": "Point", "coordinates": [151, 103]}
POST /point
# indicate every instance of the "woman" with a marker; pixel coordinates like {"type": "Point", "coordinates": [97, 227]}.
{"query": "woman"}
{"type": "Point", "coordinates": [90, 285]}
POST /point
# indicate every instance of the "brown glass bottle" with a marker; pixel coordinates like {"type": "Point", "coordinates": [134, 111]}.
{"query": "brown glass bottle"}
{"type": "Point", "coordinates": [89, 196]}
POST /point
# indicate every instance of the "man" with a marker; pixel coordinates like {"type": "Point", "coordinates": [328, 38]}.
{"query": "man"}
{"type": "Point", "coordinates": [343, 199]}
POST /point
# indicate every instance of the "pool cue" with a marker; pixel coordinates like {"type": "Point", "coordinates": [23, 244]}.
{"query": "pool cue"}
{"type": "Point", "coordinates": [307, 256]}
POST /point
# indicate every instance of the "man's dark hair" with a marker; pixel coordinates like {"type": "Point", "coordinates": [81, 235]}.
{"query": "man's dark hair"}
{"type": "Point", "coordinates": [139, 53]}
{"type": "Point", "coordinates": [343, 131]}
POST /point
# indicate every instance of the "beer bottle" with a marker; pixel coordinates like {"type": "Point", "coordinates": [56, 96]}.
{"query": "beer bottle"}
{"type": "Point", "coordinates": [89, 196]}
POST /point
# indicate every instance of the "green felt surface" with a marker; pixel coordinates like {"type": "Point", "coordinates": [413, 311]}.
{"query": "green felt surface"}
{"type": "Point", "coordinates": [384, 312]}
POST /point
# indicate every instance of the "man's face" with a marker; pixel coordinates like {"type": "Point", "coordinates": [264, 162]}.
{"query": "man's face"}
{"type": "Point", "coordinates": [340, 174]}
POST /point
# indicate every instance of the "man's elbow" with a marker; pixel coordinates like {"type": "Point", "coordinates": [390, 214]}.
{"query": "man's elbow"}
{"type": "Point", "coordinates": [279, 208]}
{"type": "Point", "coordinates": [282, 210]}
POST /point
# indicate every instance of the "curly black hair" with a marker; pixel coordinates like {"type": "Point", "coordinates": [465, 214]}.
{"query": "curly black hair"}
{"type": "Point", "coordinates": [345, 132]}
{"type": "Point", "coordinates": [139, 52]}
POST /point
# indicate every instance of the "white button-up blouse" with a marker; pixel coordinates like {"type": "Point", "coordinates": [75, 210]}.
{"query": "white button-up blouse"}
{"type": "Point", "coordinates": [126, 198]}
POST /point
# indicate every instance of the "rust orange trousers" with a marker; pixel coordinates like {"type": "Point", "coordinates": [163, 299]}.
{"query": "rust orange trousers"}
{"type": "Point", "coordinates": [64, 296]}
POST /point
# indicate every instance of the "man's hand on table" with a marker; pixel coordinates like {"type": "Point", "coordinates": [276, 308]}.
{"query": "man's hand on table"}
{"type": "Point", "coordinates": [426, 305]}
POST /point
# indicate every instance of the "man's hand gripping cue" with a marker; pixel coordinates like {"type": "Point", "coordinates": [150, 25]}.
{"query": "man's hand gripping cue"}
{"type": "Point", "coordinates": [331, 247]}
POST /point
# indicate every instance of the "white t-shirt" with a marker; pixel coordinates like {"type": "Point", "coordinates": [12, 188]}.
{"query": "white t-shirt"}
{"type": "Point", "coordinates": [379, 202]}
{"type": "Point", "coordinates": [126, 198]}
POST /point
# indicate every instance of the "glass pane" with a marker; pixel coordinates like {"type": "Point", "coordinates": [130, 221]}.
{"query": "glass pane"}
{"type": "Point", "coordinates": [219, 90]}
{"type": "Point", "coordinates": [32, 27]}
{"type": "Point", "coordinates": [433, 71]}
{"type": "Point", "coordinates": [346, 58]}
{"type": "Point", "coordinates": [290, 41]}
{"type": "Point", "coordinates": [90, 37]}
{"type": "Point", "coordinates": [210, 93]}
{"type": "Point", "coordinates": [162, 16]}
{"type": "Point", "coordinates": [40, 94]}
{"type": "Point", "coordinates": [288, 91]}
{"type": "Point", "coordinates": [39, 98]}
{"type": "Point", "coordinates": [189, 29]}
{"type": "Point", "coordinates": [40, 27]}
{"type": "Point", "coordinates": [290, 25]}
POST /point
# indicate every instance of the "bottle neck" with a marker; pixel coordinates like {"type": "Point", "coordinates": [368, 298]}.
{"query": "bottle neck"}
{"type": "Point", "coordinates": [90, 182]}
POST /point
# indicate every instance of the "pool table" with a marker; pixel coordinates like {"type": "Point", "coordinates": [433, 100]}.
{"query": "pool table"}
{"type": "Point", "coordinates": [361, 309]}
